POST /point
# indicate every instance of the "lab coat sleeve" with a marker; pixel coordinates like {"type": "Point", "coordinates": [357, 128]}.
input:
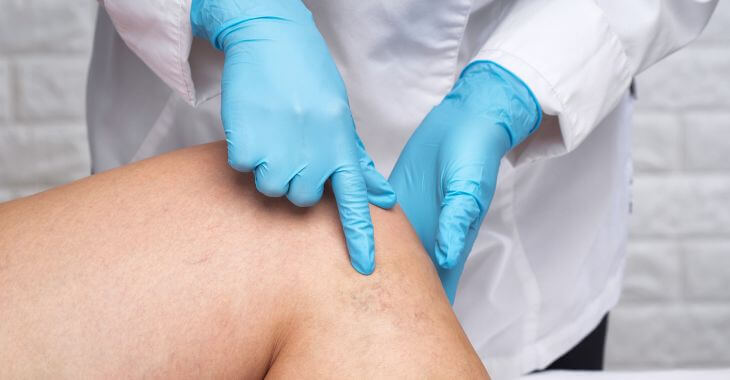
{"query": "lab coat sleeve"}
{"type": "Point", "coordinates": [579, 57]}
{"type": "Point", "coordinates": [160, 34]}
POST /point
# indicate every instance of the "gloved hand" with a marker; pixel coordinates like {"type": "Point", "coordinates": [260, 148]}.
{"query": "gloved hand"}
{"type": "Point", "coordinates": [286, 114]}
{"type": "Point", "coordinates": [446, 175]}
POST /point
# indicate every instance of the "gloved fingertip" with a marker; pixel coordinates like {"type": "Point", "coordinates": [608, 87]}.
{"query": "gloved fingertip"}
{"type": "Point", "coordinates": [363, 263]}
{"type": "Point", "coordinates": [304, 199]}
{"type": "Point", "coordinates": [364, 268]}
{"type": "Point", "coordinates": [389, 197]}
{"type": "Point", "coordinates": [352, 202]}
{"type": "Point", "coordinates": [385, 201]}
{"type": "Point", "coordinates": [449, 262]}
{"type": "Point", "coordinates": [451, 296]}
{"type": "Point", "coordinates": [445, 257]}
{"type": "Point", "coordinates": [380, 192]}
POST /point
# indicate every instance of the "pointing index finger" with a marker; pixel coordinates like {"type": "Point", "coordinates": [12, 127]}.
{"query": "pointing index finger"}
{"type": "Point", "coordinates": [351, 196]}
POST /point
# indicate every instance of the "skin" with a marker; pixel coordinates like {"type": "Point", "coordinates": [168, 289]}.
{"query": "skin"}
{"type": "Point", "coordinates": [175, 267]}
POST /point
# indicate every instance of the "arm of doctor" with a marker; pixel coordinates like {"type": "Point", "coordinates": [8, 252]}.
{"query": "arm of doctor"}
{"type": "Point", "coordinates": [176, 267]}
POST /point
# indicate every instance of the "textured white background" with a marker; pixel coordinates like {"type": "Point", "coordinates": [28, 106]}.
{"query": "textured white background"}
{"type": "Point", "coordinates": [675, 310]}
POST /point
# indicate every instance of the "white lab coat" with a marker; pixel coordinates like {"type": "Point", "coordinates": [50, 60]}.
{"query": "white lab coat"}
{"type": "Point", "coordinates": [548, 262]}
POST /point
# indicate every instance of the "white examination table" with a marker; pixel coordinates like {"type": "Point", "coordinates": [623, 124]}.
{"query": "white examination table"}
{"type": "Point", "coordinates": [679, 374]}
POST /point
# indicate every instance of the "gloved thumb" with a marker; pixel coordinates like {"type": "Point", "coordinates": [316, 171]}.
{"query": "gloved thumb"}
{"type": "Point", "coordinates": [460, 212]}
{"type": "Point", "coordinates": [380, 192]}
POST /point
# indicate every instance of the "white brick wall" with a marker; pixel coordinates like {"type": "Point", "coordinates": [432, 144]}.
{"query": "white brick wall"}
{"type": "Point", "coordinates": [46, 27]}
{"type": "Point", "coordinates": [707, 139]}
{"type": "Point", "coordinates": [669, 334]}
{"type": "Point", "coordinates": [4, 92]}
{"type": "Point", "coordinates": [675, 310]}
{"type": "Point", "coordinates": [44, 53]}
{"type": "Point", "coordinates": [50, 90]}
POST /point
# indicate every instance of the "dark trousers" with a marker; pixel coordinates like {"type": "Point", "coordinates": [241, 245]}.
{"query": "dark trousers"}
{"type": "Point", "coordinates": [587, 355]}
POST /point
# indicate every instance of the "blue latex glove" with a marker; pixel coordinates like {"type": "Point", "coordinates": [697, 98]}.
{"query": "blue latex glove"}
{"type": "Point", "coordinates": [446, 175]}
{"type": "Point", "coordinates": [286, 114]}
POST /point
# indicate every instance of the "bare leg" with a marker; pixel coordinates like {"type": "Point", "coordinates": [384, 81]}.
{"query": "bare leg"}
{"type": "Point", "coordinates": [175, 267]}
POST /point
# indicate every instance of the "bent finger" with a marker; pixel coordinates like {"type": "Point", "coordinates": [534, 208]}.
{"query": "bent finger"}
{"type": "Point", "coordinates": [459, 213]}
